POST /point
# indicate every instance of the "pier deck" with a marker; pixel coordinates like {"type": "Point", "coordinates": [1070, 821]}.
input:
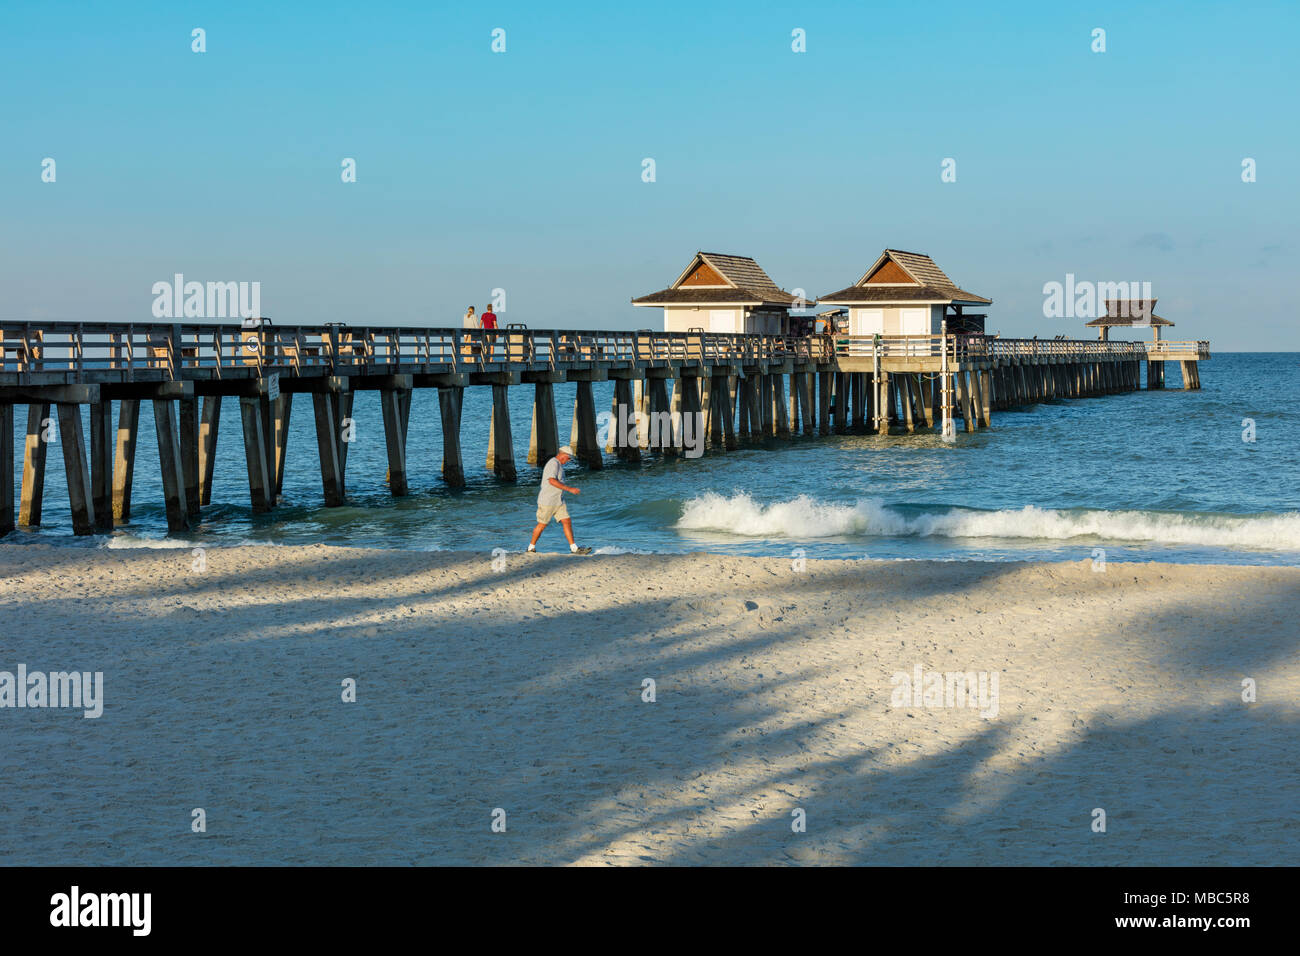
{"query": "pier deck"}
{"type": "Point", "coordinates": [733, 385]}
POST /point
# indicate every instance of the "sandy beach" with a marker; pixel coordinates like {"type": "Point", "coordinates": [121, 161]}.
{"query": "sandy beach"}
{"type": "Point", "coordinates": [519, 683]}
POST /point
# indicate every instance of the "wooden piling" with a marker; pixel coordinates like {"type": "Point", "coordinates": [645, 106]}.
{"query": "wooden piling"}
{"type": "Point", "coordinates": [587, 449]}
{"type": "Point", "coordinates": [807, 407]}
{"type": "Point", "coordinates": [33, 490]}
{"type": "Point", "coordinates": [7, 513]}
{"type": "Point", "coordinates": [187, 424]}
{"type": "Point", "coordinates": [101, 463]}
{"type": "Point", "coordinates": [391, 401]}
{"type": "Point", "coordinates": [209, 424]}
{"type": "Point", "coordinates": [128, 424]}
{"type": "Point", "coordinates": [346, 426]}
{"type": "Point", "coordinates": [450, 402]}
{"type": "Point", "coordinates": [327, 445]}
{"type": "Point", "coordinates": [624, 406]}
{"type": "Point", "coordinates": [660, 429]}
{"type": "Point", "coordinates": [501, 445]}
{"type": "Point", "coordinates": [260, 487]}
{"type": "Point", "coordinates": [757, 424]}
{"type": "Point", "coordinates": [73, 441]}
{"type": "Point", "coordinates": [544, 436]}
{"type": "Point", "coordinates": [780, 410]}
{"type": "Point", "coordinates": [169, 463]}
{"type": "Point", "coordinates": [281, 411]}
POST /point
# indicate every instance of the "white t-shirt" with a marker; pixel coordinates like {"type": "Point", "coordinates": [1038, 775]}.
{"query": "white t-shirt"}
{"type": "Point", "coordinates": [550, 496]}
{"type": "Point", "coordinates": [473, 322]}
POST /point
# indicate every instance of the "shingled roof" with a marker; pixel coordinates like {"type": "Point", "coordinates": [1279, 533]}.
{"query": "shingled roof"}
{"type": "Point", "coordinates": [921, 280]}
{"type": "Point", "coordinates": [1129, 312]}
{"type": "Point", "coordinates": [743, 282]}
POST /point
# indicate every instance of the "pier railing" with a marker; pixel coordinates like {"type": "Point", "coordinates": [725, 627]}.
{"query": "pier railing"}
{"type": "Point", "coordinates": [168, 350]}
{"type": "Point", "coordinates": [987, 347]}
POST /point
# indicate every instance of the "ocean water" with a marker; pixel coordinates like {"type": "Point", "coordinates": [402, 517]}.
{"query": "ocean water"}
{"type": "Point", "coordinates": [1159, 475]}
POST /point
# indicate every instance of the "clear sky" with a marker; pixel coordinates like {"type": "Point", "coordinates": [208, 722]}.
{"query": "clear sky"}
{"type": "Point", "coordinates": [523, 170]}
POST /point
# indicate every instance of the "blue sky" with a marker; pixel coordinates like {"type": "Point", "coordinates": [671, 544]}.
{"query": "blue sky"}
{"type": "Point", "coordinates": [522, 170]}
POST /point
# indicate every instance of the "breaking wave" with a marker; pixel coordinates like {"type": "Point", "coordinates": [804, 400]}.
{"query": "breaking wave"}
{"type": "Point", "coordinates": [804, 517]}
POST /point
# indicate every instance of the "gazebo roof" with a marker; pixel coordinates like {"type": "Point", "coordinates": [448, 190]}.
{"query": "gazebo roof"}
{"type": "Point", "coordinates": [1121, 313]}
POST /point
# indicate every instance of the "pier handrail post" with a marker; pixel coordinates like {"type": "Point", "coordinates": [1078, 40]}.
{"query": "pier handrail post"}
{"type": "Point", "coordinates": [949, 430]}
{"type": "Point", "coordinates": [882, 415]}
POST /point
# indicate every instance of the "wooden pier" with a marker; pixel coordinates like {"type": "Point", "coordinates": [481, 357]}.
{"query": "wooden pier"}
{"type": "Point", "coordinates": [742, 387]}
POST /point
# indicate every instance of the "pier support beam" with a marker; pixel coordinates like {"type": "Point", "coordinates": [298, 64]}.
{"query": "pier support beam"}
{"type": "Point", "coordinates": [501, 444]}
{"type": "Point", "coordinates": [754, 395]}
{"type": "Point", "coordinates": [256, 446]}
{"type": "Point", "coordinates": [824, 380]}
{"type": "Point", "coordinates": [394, 403]}
{"type": "Point", "coordinates": [905, 394]}
{"type": "Point", "coordinates": [209, 424]}
{"type": "Point", "coordinates": [722, 429]}
{"type": "Point", "coordinates": [625, 407]}
{"type": "Point", "coordinates": [587, 447]}
{"type": "Point", "coordinates": [346, 428]}
{"type": "Point", "coordinates": [327, 444]}
{"type": "Point", "coordinates": [73, 441]}
{"type": "Point", "coordinates": [766, 410]}
{"type": "Point", "coordinates": [884, 408]}
{"type": "Point", "coordinates": [544, 437]}
{"type": "Point", "coordinates": [187, 424]}
{"type": "Point", "coordinates": [660, 430]}
{"type": "Point", "coordinates": [780, 408]}
{"type": "Point", "coordinates": [33, 492]}
{"type": "Point", "coordinates": [804, 390]}
{"type": "Point", "coordinates": [7, 513]}
{"type": "Point", "coordinates": [985, 397]}
{"type": "Point", "coordinates": [128, 425]}
{"type": "Point", "coordinates": [858, 401]}
{"type": "Point", "coordinates": [450, 402]}
{"type": "Point", "coordinates": [692, 412]}
{"type": "Point", "coordinates": [281, 409]}
{"type": "Point", "coordinates": [169, 461]}
{"type": "Point", "coordinates": [101, 463]}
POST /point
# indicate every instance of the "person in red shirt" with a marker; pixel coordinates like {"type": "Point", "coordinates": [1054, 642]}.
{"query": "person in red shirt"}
{"type": "Point", "coordinates": [489, 322]}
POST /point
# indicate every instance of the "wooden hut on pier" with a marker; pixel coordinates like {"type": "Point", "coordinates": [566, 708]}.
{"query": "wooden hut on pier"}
{"type": "Point", "coordinates": [906, 293]}
{"type": "Point", "coordinates": [722, 293]}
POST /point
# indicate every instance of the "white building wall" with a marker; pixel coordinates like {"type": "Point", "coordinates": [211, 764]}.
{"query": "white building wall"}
{"type": "Point", "coordinates": [895, 319]}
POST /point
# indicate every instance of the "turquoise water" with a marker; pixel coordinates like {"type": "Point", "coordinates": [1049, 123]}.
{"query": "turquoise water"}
{"type": "Point", "coordinates": [1145, 476]}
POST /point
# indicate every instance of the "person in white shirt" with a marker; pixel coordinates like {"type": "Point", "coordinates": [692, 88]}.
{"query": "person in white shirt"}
{"type": "Point", "coordinates": [471, 321]}
{"type": "Point", "coordinates": [550, 501]}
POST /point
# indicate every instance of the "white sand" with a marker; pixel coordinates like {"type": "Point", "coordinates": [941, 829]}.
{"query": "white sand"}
{"type": "Point", "coordinates": [520, 688]}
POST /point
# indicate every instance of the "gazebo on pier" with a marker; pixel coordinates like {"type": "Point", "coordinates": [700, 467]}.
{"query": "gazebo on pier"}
{"type": "Point", "coordinates": [906, 293]}
{"type": "Point", "coordinates": [1130, 314]}
{"type": "Point", "coordinates": [722, 293]}
{"type": "Point", "coordinates": [1140, 313]}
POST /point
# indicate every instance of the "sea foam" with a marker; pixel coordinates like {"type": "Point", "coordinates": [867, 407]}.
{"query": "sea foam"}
{"type": "Point", "coordinates": [805, 517]}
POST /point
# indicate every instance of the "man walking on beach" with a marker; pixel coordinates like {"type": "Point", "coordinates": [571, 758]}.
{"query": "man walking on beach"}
{"type": "Point", "coordinates": [550, 501]}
